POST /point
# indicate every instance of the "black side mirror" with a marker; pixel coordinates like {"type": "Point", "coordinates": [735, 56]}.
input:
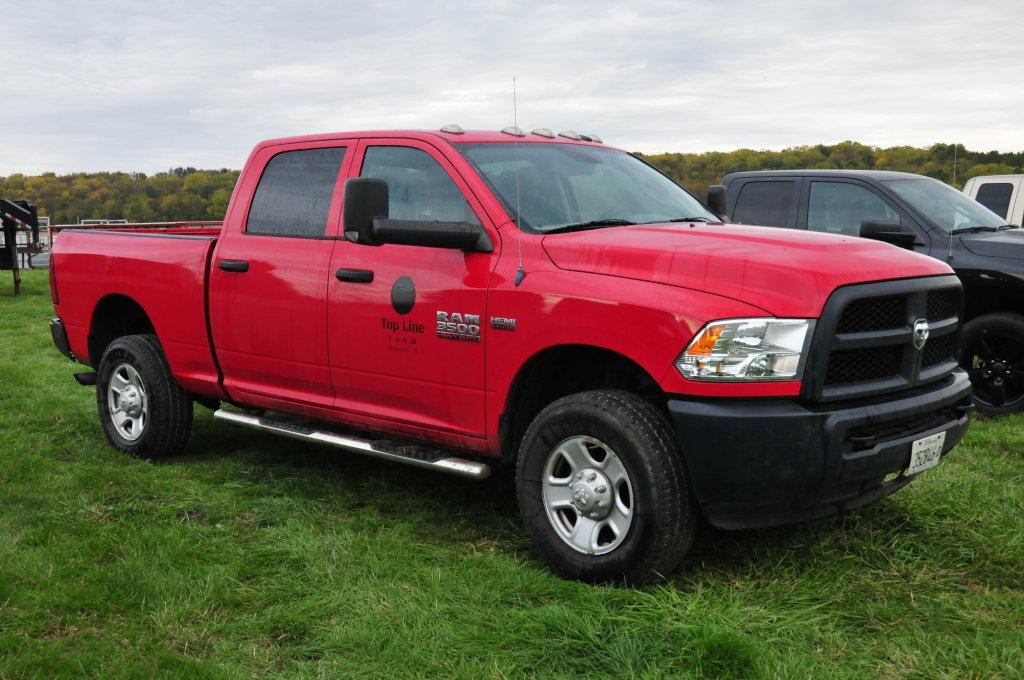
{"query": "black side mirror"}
{"type": "Point", "coordinates": [367, 223]}
{"type": "Point", "coordinates": [888, 231]}
{"type": "Point", "coordinates": [366, 199]}
{"type": "Point", "coordinates": [716, 200]}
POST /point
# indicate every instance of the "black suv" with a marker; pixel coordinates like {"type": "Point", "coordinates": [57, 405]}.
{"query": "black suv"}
{"type": "Point", "coordinates": [925, 215]}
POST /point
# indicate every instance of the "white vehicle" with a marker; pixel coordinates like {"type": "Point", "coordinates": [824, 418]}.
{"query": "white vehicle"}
{"type": "Point", "coordinates": [999, 193]}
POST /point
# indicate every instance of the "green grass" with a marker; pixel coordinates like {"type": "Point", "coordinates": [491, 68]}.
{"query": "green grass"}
{"type": "Point", "coordinates": [254, 555]}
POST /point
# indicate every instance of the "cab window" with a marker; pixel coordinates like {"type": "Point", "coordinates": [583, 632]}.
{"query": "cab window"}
{"type": "Point", "coordinates": [840, 207]}
{"type": "Point", "coordinates": [996, 197]}
{"type": "Point", "coordinates": [418, 187]}
{"type": "Point", "coordinates": [294, 193]}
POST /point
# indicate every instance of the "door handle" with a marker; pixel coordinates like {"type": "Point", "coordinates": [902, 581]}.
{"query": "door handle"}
{"type": "Point", "coordinates": [354, 275]}
{"type": "Point", "coordinates": [234, 265]}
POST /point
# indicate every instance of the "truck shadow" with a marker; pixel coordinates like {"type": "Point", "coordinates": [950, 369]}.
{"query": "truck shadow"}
{"type": "Point", "coordinates": [452, 511]}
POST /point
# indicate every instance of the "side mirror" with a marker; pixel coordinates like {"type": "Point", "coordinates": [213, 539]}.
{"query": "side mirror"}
{"type": "Point", "coordinates": [888, 231]}
{"type": "Point", "coordinates": [716, 200]}
{"type": "Point", "coordinates": [367, 223]}
{"type": "Point", "coordinates": [366, 199]}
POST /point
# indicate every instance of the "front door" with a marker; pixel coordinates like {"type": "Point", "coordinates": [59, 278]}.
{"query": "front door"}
{"type": "Point", "coordinates": [406, 323]}
{"type": "Point", "coordinates": [269, 278]}
{"type": "Point", "coordinates": [840, 206]}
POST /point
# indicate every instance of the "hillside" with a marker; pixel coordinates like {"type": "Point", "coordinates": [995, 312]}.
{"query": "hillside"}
{"type": "Point", "coordinates": [191, 194]}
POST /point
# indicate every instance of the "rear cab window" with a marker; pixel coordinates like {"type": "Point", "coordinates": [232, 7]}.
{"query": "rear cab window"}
{"type": "Point", "coordinates": [294, 193]}
{"type": "Point", "coordinates": [996, 197]}
{"type": "Point", "coordinates": [769, 203]}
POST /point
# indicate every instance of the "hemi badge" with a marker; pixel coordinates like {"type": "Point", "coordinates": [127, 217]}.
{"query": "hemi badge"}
{"type": "Point", "coordinates": [503, 323]}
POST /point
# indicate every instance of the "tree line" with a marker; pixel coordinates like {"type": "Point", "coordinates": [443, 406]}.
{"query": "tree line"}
{"type": "Point", "coordinates": [696, 171]}
{"type": "Point", "coordinates": [178, 194]}
{"type": "Point", "coordinates": [191, 194]}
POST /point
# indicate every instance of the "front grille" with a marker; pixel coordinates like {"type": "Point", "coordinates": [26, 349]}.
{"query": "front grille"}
{"type": "Point", "coordinates": [863, 342]}
{"type": "Point", "coordinates": [873, 314]}
{"type": "Point", "coordinates": [938, 350]}
{"type": "Point", "coordinates": [942, 304]}
{"type": "Point", "coordinates": [858, 365]}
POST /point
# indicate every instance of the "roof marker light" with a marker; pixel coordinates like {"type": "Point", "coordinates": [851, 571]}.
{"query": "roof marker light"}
{"type": "Point", "coordinates": [595, 138]}
{"type": "Point", "coordinates": [570, 134]}
{"type": "Point", "coordinates": [513, 130]}
{"type": "Point", "coordinates": [453, 129]}
{"type": "Point", "coordinates": [543, 132]}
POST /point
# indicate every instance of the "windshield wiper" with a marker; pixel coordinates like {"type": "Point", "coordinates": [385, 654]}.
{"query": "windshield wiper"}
{"type": "Point", "coordinates": [974, 230]}
{"type": "Point", "coordinates": [592, 224]}
{"type": "Point", "coordinates": [690, 219]}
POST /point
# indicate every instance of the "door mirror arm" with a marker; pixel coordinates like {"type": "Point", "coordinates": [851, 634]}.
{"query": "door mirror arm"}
{"type": "Point", "coordinates": [458, 235]}
{"type": "Point", "coordinates": [367, 223]}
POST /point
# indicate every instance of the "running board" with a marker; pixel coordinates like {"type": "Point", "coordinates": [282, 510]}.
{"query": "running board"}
{"type": "Point", "coordinates": [410, 454]}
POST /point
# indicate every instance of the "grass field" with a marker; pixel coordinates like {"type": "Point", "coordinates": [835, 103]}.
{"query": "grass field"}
{"type": "Point", "coordinates": [253, 555]}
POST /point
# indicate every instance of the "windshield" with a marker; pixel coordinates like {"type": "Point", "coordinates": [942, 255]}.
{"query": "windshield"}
{"type": "Point", "coordinates": [562, 186]}
{"type": "Point", "coordinates": [946, 207]}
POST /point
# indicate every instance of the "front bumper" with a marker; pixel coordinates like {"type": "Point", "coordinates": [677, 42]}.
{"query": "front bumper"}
{"type": "Point", "coordinates": [759, 462]}
{"type": "Point", "coordinates": [60, 337]}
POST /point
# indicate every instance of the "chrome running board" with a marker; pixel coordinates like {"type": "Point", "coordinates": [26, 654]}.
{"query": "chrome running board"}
{"type": "Point", "coordinates": [410, 454]}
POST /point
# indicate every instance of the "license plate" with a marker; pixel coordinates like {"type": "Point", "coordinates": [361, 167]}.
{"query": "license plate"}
{"type": "Point", "coordinates": [925, 453]}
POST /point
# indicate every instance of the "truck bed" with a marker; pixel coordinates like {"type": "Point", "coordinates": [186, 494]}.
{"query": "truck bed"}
{"type": "Point", "coordinates": [164, 270]}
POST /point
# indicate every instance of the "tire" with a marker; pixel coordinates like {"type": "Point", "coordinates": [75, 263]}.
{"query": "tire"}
{"type": "Point", "coordinates": [160, 409]}
{"type": "Point", "coordinates": [993, 355]}
{"type": "Point", "coordinates": [662, 515]}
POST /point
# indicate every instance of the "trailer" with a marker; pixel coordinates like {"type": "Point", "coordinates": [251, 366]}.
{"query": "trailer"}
{"type": "Point", "coordinates": [17, 216]}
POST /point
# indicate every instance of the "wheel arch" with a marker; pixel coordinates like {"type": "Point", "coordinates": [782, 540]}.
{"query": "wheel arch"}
{"type": "Point", "coordinates": [991, 292]}
{"type": "Point", "coordinates": [560, 370]}
{"type": "Point", "coordinates": [115, 315]}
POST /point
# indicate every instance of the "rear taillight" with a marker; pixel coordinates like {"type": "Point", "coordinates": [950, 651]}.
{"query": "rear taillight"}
{"type": "Point", "coordinates": [53, 283]}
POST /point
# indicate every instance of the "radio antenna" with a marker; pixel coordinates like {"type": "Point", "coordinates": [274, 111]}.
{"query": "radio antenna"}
{"type": "Point", "coordinates": [949, 253]}
{"type": "Point", "coordinates": [520, 272]}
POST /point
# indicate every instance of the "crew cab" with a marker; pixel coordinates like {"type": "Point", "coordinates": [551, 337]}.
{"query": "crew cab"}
{"type": "Point", "coordinates": [922, 214]}
{"type": "Point", "coordinates": [463, 300]}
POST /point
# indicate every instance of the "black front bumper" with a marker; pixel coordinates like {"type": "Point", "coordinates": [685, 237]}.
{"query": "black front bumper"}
{"type": "Point", "coordinates": [60, 337]}
{"type": "Point", "coordinates": [758, 462]}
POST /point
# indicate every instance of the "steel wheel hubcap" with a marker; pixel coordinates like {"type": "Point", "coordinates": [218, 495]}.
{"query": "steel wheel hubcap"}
{"type": "Point", "coordinates": [126, 401]}
{"type": "Point", "coordinates": [588, 495]}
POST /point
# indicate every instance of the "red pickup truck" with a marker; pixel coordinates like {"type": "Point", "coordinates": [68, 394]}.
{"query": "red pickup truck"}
{"type": "Point", "coordinates": [460, 300]}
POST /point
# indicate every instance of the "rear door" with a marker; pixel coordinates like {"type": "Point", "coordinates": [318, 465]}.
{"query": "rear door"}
{"type": "Point", "coordinates": [269, 279]}
{"type": "Point", "coordinates": [391, 360]}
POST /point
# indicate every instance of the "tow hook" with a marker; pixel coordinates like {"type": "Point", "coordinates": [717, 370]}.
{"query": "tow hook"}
{"type": "Point", "coordinates": [86, 379]}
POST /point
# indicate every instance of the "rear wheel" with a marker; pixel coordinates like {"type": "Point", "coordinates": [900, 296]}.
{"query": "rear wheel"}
{"type": "Point", "coordinates": [142, 408]}
{"type": "Point", "coordinates": [993, 355]}
{"type": "Point", "coordinates": [602, 488]}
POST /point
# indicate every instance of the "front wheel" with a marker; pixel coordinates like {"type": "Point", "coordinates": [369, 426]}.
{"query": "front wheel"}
{"type": "Point", "coordinates": [602, 488]}
{"type": "Point", "coordinates": [993, 355]}
{"type": "Point", "coordinates": [143, 410]}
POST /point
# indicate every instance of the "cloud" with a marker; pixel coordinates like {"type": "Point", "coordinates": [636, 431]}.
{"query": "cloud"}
{"type": "Point", "coordinates": [125, 86]}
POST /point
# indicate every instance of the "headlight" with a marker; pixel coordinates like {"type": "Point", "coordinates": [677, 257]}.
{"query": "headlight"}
{"type": "Point", "coordinates": [748, 349]}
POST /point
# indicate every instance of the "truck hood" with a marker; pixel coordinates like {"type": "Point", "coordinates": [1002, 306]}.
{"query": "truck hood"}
{"type": "Point", "coordinates": [783, 271]}
{"type": "Point", "coordinates": [1008, 243]}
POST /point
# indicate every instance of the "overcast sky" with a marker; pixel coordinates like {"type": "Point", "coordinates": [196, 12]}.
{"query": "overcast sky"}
{"type": "Point", "coordinates": [148, 86]}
